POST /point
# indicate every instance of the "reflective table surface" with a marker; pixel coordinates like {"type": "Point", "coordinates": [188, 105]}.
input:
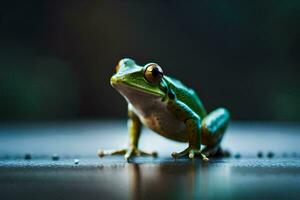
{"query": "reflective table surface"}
{"type": "Point", "coordinates": [59, 161]}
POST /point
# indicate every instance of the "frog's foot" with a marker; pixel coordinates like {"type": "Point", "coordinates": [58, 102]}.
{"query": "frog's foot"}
{"type": "Point", "coordinates": [191, 153]}
{"type": "Point", "coordinates": [127, 152]}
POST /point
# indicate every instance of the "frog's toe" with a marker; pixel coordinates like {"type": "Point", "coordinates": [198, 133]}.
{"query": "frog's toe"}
{"type": "Point", "coordinates": [204, 158]}
{"type": "Point", "coordinates": [136, 152]}
{"type": "Point", "coordinates": [102, 153]}
{"type": "Point", "coordinates": [181, 154]}
{"type": "Point", "coordinates": [191, 153]}
{"type": "Point", "coordinates": [174, 154]}
{"type": "Point", "coordinates": [129, 154]}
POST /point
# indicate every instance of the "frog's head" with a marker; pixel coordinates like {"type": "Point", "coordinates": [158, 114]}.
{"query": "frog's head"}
{"type": "Point", "coordinates": [132, 79]}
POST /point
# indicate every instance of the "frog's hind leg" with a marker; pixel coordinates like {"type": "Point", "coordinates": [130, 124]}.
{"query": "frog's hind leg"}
{"type": "Point", "coordinates": [213, 128]}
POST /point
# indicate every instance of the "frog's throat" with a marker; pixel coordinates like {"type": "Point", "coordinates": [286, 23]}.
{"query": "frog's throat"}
{"type": "Point", "coordinates": [137, 87]}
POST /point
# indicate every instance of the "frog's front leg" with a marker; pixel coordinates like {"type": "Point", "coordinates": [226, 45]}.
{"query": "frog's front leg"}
{"type": "Point", "coordinates": [134, 130]}
{"type": "Point", "coordinates": [193, 127]}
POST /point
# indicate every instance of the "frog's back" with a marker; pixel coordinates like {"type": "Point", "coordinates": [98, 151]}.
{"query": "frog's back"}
{"type": "Point", "coordinates": [186, 95]}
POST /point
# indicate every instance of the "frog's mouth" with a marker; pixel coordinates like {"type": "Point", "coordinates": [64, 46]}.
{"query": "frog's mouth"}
{"type": "Point", "coordinates": [124, 87]}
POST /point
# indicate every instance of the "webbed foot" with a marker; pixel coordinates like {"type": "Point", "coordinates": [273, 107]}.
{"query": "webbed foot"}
{"type": "Point", "coordinates": [127, 152]}
{"type": "Point", "coordinates": [191, 153]}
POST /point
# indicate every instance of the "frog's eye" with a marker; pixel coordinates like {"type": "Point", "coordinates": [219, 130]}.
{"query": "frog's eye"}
{"type": "Point", "coordinates": [153, 73]}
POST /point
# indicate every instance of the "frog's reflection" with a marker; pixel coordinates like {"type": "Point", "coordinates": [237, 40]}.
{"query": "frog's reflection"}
{"type": "Point", "coordinates": [135, 181]}
{"type": "Point", "coordinates": [169, 180]}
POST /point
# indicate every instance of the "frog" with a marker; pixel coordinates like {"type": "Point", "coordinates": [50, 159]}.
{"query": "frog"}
{"type": "Point", "coordinates": [168, 107]}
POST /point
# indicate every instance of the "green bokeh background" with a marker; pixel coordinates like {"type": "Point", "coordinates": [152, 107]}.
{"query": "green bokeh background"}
{"type": "Point", "coordinates": [56, 57]}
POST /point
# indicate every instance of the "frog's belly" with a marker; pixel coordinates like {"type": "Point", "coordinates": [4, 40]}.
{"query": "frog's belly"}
{"type": "Point", "coordinates": [167, 126]}
{"type": "Point", "coordinates": [158, 118]}
{"type": "Point", "coordinates": [153, 113]}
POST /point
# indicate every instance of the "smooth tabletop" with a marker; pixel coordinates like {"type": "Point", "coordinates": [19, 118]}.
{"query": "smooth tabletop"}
{"type": "Point", "coordinates": [59, 161]}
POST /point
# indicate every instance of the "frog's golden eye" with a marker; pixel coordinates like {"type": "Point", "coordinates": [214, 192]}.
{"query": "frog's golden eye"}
{"type": "Point", "coordinates": [153, 73]}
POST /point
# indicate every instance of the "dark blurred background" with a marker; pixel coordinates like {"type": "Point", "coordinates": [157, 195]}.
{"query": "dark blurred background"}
{"type": "Point", "coordinates": [56, 57]}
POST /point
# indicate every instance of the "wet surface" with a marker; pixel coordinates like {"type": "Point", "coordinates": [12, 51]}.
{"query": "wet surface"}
{"type": "Point", "coordinates": [58, 161]}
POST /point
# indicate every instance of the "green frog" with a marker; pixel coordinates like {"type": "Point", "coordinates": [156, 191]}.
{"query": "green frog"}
{"type": "Point", "coordinates": [169, 108]}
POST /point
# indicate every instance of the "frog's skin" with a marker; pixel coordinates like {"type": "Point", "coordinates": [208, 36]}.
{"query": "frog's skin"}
{"type": "Point", "coordinates": [169, 108]}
